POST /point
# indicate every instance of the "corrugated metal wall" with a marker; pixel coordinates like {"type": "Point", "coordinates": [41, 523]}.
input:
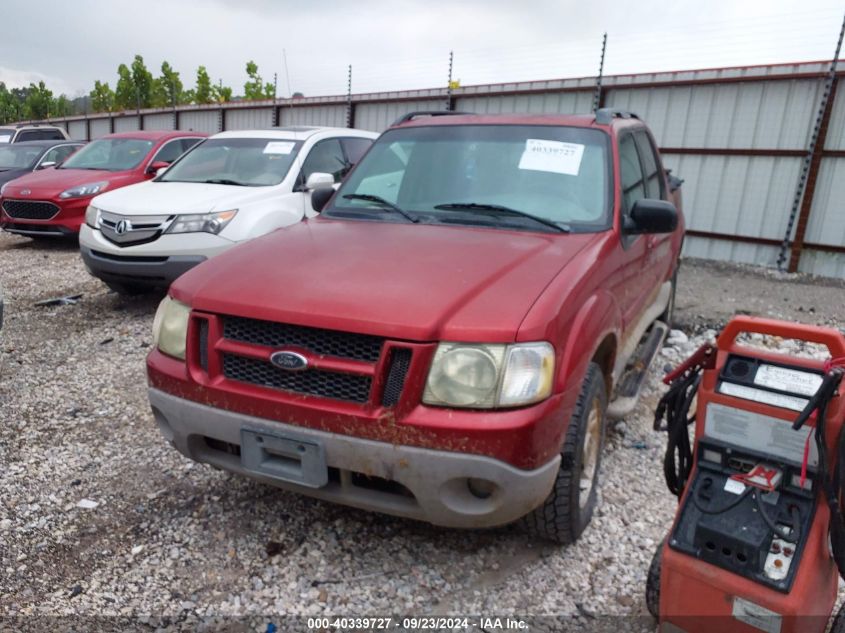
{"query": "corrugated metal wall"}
{"type": "Point", "coordinates": [76, 130]}
{"type": "Point", "coordinates": [249, 118]}
{"type": "Point", "coordinates": [159, 121]}
{"type": "Point", "coordinates": [126, 124]}
{"type": "Point", "coordinates": [378, 116]}
{"type": "Point", "coordinates": [736, 135]}
{"type": "Point", "coordinates": [99, 127]}
{"type": "Point", "coordinates": [324, 115]}
{"type": "Point", "coordinates": [207, 121]}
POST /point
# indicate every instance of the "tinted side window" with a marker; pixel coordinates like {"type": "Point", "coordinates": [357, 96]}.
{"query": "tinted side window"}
{"type": "Point", "coordinates": [28, 135]}
{"type": "Point", "coordinates": [51, 135]}
{"type": "Point", "coordinates": [355, 148]}
{"type": "Point", "coordinates": [633, 185]}
{"type": "Point", "coordinates": [169, 152]}
{"type": "Point", "coordinates": [188, 143]}
{"type": "Point", "coordinates": [58, 154]}
{"type": "Point", "coordinates": [653, 179]}
{"type": "Point", "coordinates": [325, 157]}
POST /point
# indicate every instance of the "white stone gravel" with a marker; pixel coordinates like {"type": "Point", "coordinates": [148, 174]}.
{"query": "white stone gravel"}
{"type": "Point", "coordinates": [99, 516]}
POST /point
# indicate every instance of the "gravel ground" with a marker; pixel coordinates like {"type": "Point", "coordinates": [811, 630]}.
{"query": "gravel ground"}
{"type": "Point", "coordinates": [100, 517]}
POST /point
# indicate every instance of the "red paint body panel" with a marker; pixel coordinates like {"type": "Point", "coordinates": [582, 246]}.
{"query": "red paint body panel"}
{"type": "Point", "coordinates": [416, 285]}
{"type": "Point", "coordinates": [698, 596]}
{"type": "Point", "coordinates": [46, 185]}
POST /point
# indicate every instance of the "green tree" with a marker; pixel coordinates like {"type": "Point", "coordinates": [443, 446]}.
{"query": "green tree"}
{"type": "Point", "coordinates": [143, 80]}
{"type": "Point", "coordinates": [62, 106]}
{"type": "Point", "coordinates": [167, 89]}
{"type": "Point", "coordinates": [124, 94]}
{"type": "Point", "coordinates": [224, 93]}
{"type": "Point", "coordinates": [255, 88]}
{"type": "Point", "coordinates": [204, 91]}
{"type": "Point", "coordinates": [38, 102]}
{"type": "Point", "coordinates": [102, 97]}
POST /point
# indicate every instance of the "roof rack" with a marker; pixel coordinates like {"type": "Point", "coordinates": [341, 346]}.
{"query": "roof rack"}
{"type": "Point", "coordinates": [605, 115]}
{"type": "Point", "coordinates": [410, 116]}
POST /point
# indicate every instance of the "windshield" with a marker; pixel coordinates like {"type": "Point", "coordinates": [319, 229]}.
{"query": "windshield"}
{"type": "Point", "coordinates": [19, 156]}
{"type": "Point", "coordinates": [456, 173]}
{"type": "Point", "coordinates": [6, 135]}
{"type": "Point", "coordinates": [250, 162]}
{"type": "Point", "coordinates": [110, 154]}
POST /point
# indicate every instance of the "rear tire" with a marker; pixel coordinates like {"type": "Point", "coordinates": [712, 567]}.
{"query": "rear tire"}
{"type": "Point", "coordinates": [569, 507]}
{"type": "Point", "coordinates": [129, 290]}
{"type": "Point", "coordinates": [652, 583]}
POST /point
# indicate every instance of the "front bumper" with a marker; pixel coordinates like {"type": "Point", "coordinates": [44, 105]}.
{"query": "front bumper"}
{"type": "Point", "coordinates": [66, 222]}
{"type": "Point", "coordinates": [148, 271]}
{"type": "Point", "coordinates": [432, 484]}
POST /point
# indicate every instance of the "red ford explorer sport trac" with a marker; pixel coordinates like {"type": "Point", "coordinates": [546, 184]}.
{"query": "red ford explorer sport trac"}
{"type": "Point", "coordinates": [52, 202]}
{"type": "Point", "coordinates": [447, 338]}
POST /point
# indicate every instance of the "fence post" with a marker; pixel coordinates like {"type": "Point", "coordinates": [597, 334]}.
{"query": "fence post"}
{"type": "Point", "coordinates": [810, 186]}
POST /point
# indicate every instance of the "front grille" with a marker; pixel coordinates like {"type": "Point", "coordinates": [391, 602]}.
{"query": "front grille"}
{"type": "Point", "coordinates": [30, 209]}
{"type": "Point", "coordinates": [323, 342]}
{"type": "Point", "coordinates": [132, 230]}
{"type": "Point", "coordinates": [143, 259]}
{"type": "Point", "coordinates": [400, 361]}
{"type": "Point", "coordinates": [315, 382]}
{"type": "Point", "coordinates": [203, 343]}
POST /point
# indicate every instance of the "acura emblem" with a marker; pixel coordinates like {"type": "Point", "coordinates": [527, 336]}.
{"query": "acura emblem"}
{"type": "Point", "coordinates": [25, 192]}
{"type": "Point", "coordinates": [289, 361]}
{"type": "Point", "coordinates": [121, 227]}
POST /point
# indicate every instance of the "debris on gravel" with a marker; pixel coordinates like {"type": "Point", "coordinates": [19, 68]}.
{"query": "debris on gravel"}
{"type": "Point", "coordinates": [100, 517]}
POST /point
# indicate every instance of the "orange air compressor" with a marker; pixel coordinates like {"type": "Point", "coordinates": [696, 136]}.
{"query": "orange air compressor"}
{"type": "Point", "coordinates": [758, 541]}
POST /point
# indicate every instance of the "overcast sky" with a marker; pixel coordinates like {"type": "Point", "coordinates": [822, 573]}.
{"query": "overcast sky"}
{"type": "Point", "coordinates": [401, 44]}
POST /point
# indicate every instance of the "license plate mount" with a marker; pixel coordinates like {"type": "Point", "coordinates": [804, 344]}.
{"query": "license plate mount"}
{"type": "Point", "coordinates": [284, 457]}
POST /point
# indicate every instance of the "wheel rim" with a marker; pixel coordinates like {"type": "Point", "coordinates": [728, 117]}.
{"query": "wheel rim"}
{"type": "Point", "coordinates": [590, 455]}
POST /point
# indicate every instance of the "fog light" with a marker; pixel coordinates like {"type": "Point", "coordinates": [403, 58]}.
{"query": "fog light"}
{"type": "Point", "coordinates": [481, 488]}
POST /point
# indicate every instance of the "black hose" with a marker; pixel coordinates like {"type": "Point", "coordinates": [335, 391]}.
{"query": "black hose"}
{"type": "Point", "coordinates": [795, 517]}
{"type": "Point", "coordinates": [674, 406]}
{"type": "Point", "coordinates": [725, 508]}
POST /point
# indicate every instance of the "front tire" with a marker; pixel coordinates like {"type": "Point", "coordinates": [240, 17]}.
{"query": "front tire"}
{"type": "Point", "coordinates": [652, 583]}
{"type": "Point", "coordinates": [570, 505]}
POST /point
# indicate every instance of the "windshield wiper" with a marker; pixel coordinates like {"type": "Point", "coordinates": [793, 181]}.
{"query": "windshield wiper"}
{"type": "Point", "coordinates": [497, 208]}
{"type": "Point", "coordinates": [225, 181]}
{"type": "Point", "coordinates": [379, 200]}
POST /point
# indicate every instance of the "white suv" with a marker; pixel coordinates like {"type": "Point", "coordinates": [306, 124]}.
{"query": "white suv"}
{"type": "Point", "coordinates": [32, 132]}
{"type": "Point", "coordinates": [229, 188]}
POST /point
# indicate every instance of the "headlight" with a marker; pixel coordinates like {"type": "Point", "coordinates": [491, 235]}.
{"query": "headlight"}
{"type": "Point", "coordinates": [487, 376]}
{"type": "Point", "coordinates": [170, 327]}
{"type": "Point", "coordinates": [92, 217]}
{"type": "Point", "coordinates": [202, 222]}
{"type": "Point", "coordinates": [81, 191]}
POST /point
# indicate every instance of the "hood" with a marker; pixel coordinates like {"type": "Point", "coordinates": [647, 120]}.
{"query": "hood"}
{"type": "Point", "coordinates": [404, 281]}
{"type": "Point", "coordinates": [156, 198]}
{"type": "Point", "coordinates": [10, 174]}
{"type": "Point", "coordinates": [49, 183]}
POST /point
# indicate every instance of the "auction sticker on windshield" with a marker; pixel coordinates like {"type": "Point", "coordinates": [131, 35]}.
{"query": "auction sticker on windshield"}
{"type": "Point", "coordinates": [552, 156]}
{"type": "Point", "coordinates": [279, 147]}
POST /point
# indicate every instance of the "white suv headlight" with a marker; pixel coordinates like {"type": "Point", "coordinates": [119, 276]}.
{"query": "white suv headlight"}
{"type": "Point", "coordinates": [202, 222]}
{"type": "Point", "coordinates": [487, 376]}
{"type": "Point", "coordinates": [170, 327]}
{"type": "Point", "coordinates": [92, 217]}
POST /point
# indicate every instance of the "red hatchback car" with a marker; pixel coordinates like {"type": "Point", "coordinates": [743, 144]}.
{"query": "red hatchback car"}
{"type": "Point", "coordinates": [52, 202]}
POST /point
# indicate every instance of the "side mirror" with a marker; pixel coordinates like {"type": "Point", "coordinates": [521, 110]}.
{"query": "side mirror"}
{"type": "Point", "coordinates": [319, 181]}
{"type": "Point", "coordinates": [47, 164]}
{"type": "Point", "coordinates": [320, 198]}
{"type": "Point", "coordinates": [157, 167]}
{"type": "Point", "coordinates": [651, 216]}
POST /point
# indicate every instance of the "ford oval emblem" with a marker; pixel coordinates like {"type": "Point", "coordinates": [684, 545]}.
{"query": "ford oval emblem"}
{"type": "Point", "coordinates": [25, 192]}
{"type": "Point", "coordinates": [289, 361]}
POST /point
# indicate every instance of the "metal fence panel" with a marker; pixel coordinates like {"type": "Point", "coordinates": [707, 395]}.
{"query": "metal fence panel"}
{"type": "Point", "coordinates": [99, 127]}
{"type": "Point", "coordinates": [737, 195]}
{"type": "Point", "coordinates": [378, 116]}
{"type": "Point", "coordinates": [207, 121]}
{"type": "Point", "coordinates": [579, 102]}
{"type": "Point", "coordinates": [126, 124]}
{"type": "Point", "coordinates": [77, 130]}
{"type": "Point", "coordinates": [759, 115]}
{"type": "Point", "coordinates": [827, 219]}
{"type": "Point", "coordinates": [249, 118]}
{"type": "Point", "coordinates": [320, 115]}
{"type": "Point", "coordinates": [162, 121]}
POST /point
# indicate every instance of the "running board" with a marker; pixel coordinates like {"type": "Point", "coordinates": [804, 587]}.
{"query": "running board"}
{"type": "Point", "coordinates": [628, 388]}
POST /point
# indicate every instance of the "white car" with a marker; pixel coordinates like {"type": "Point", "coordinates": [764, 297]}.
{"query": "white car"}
{"type": "Point", "coordinates": [231, 187]}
